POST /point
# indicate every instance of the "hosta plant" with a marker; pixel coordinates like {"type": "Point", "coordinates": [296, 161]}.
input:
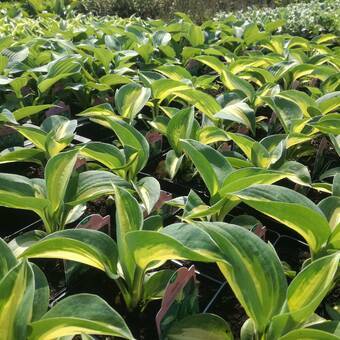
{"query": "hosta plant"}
{"type": "Point", "coordinates": [222, 179]}
{"type": "Point", "coordinates": [137, 285]}
{"type": "Point", "coordinates": [134, 156]}
{"type": "Point", "coordinates": [24, 305]}
{"type": "Point", "coordinates": [258, 281]}
{"type": "Point", "coordinates": [60, 197]}
{"type": "Point", "coordinates": [52, 137]}
{"type": "Point", "coordinates": [317, 224]}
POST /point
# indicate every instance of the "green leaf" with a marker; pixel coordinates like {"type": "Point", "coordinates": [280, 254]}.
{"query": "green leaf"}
{"type": "Point", "coordinates": [58, 172]}
{"type": "Point", "coordinates": [33, 133]}
{"type": "Point", "coordinates": [232, 82]}
{"type": "Point", "coordinates": [329, 102]}
{"type": "Point", "coordinates": [7, 259]}
{"type": "Point", "coordinates": [180, 127]}
{"type": "Point", "coordinates": [27, 111]}
{"type": "Point", "coordinates": [332, 327]}
{"type": "Point", "coordinates": [172, 163]}
{"type": "Point", "coordinates": [200, 327]}
{"type": "Point", "coordinates": [16, 301]}
{"type": "Point", "coordinates": [148, 189]}
{"type": "Point", "coordinates": [129, 217]}
{"type": "Point", "coordinates": [93, 184]}
{"type": "Point", "coordinates": [204, 102]}
{"type": "Point", "coordinates": [19, 192]}
{"type": "Point", "coordinates": [80, 314]}
{"type": "Point", "coordinates": [305, 293]}
{"type": "Point", "coordinates": [155, 284]}
{"type": "Point", "coordinates": [163, 88]}
{"type": "Point", "coordinates": [239, 112]}
{"type": "Point", "coordinates": [211, 165]}
{"type": "Point", "coordinates": [292, 209]}
{"type": "Point", "coordinates": [133, 139]}
{"type": "Point", "coordinates": [21, 154]}
{"type": "Point", "coordinates": [104, 153]}
{"type": "Point", "coordinates": [195, 35]}
{"type": "Point", "coordinates": [89, 247]}
{"type": "Point", "coordinates": [41, 293]}
{"type": "Point", "coordinates": [308, 334]}
{"type": "Point", "coordinates": [130, 99]}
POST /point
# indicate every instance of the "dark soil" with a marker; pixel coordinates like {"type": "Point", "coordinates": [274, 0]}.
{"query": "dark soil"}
{"type": "Point", "coordinates": [99, 206]}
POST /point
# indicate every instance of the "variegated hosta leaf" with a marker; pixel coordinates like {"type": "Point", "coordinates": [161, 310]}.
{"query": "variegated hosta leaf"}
{"type": "Point", "coordinates": [308, 334]}
{"type": "Point", "coordinates": [33, 133]}
{"type": "Point", "coordinates": [291, 105]}
{"type": "Point", "coordinates": [213, 62]}
{"type": "Point", "coordinates": [239, 112]}
{"type": "Point", "coordinates": [7, 259]}
{"type": "Point", "coordinates": [90, 247]}
{"type": "Point", "coordinates": [305, 293]}
{"type": "Point", "coordinates": [232, 82]}
{"type": "Point", "coordinates": [59, 69]}
{"type": "Point", "coordinates": [292, 209]}
{"type": "Point", "coordinates": [27, 111]}
{"type": "Point", "coordinates": [16, 301]}
{"type": "Point", "coordinates": [211, 165]}
{"type": "Point", "coordinates": [180, 127]}
{"type": "Point", "coordinates": [58, 172]}
{"type": "Point", "coordinates": [148, 189]}
{"type": "Point", "coordinates": [257, 281]}
{"type": "Point", "coordinates": [129, 217]}
{"type": "Point", "coordinates": [20, 154]}
{"type": "Point", "coordinates": [105, 153]}
{"type": "Point", "coordinates": [244, 178]}
{"type": "Point", "coordinates": [204, 102]}
{"type": "Point", "coordinates": [163, 88]}
{"type": "Point", "coordinates": [130, 99]}
{"type": "Point", "coordinates": [60, 133]}
{"type": "Point", "coordinates": [20, 192]}
{"type": "Point", "coordinates": [98, 111]}
{"type": "Point", "coordinates": [93, 184]}
{"type": "Point", "coordinates": [79, 314]}
{"type": "Point", "coordinates": [200, 327]}
{"type": "Point", "coordinates": [132, 140]}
